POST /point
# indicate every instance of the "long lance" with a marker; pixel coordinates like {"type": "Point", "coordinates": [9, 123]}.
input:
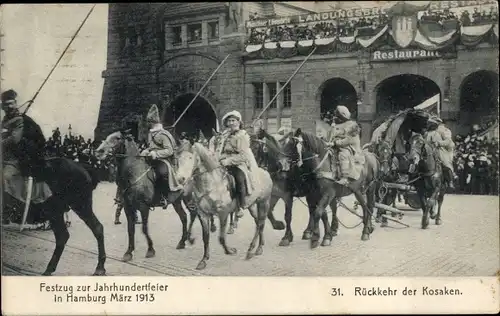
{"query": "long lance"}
{"type": "Point", "coordinates": [30, 102]}
{"type": "Point", "coordinates": [284, 86]}
{"type": "Point", "coordinates": [203, 87]}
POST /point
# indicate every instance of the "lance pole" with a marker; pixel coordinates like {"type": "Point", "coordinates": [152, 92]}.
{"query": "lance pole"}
{"type": "Point", "coordinates": [284, 86]}
{"type": "Point", "coordinates": [197, 94]}
{"type": "Point", "coordinates": [30, 102]}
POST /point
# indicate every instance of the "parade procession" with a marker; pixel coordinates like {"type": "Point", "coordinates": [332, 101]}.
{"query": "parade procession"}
{"type": "Point", "coordinates": [364, 135]}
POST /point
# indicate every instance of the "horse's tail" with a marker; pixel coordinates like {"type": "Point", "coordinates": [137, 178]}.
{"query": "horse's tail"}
{"type": "Point", "coordinates": [94, 176]}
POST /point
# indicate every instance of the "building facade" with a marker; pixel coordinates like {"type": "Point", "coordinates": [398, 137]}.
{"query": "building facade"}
{"type": "Point", "coordinates": [375, 59]}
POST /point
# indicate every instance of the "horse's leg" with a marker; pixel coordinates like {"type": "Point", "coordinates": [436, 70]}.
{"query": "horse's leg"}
{"type": "Point", "coordinates": [83, 208]}
{"type": "Point", "coordinates": [205, 221]}
{"type": "Point", "coordinates": [425, 210]}
{"type": "Point", "coordinates": [335, 220]}
{"type": "Point", "coordinates": [262, 210]}
{"type": "Point", "coordinates": [130, 211]}
{"type": "Point", "coordinates": [255, 215]}
{"type": "Point", "coordinates": [327, 238]}
{"type": "Point", "coordinates": [370, 201]}
{"type": "Point", "coordinates": [213, 228]}
{"type": "Point", "coordinates": [192, 217]}
{"type": "Point", "coordinates": [319, 209]}
{"type": "Point", "coordinates": [440, 203]}
{"type": "Point", "coordinates": [222, 233]}
{"type": "Point", "coordinates": [366, 215]}
{"type": "Point", "coordinates": [144, 209]}
{"type": "Point", "coordinates": [288, 237]}
{"type": "Point", "coordinates": [61, 235]}
{"type": "Point", "coordinates": [311, 204]}
{"type": "Point", "coordinates": [230, 230]}
{"type": "Point", "coordinates": [182, 215]}
{"type": "Point", "coordinates": [277, 225]}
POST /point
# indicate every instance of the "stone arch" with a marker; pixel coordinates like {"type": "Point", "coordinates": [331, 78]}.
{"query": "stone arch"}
{"type": "Point", "coordinates": [403, 91]}
{"type": "Point", "coordinates": [478, 99]}
{"type": "Point", "coordinates": [202, 115]}
{"type": "Point", "coordinates": [337, 91]}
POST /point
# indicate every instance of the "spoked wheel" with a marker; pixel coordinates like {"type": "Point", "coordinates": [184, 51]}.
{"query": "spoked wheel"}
{"type": "Point", "coordinates": [413, 201]}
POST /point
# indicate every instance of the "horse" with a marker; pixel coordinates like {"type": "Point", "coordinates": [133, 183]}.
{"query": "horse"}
{"type": "Point", "coordinates": [72, 187]}
{"type": "Point", "coordinates": [212, 189]}
{"type": "Point", "coordinates": [384, 153]}
{"type": "Point", "coordinates": [326, 189]}
{"type": "Point", "coordinates": [137, 178]}
{"type": "Point", "coordinates": [429, 181]}
{"type": "Point", "coordinates": [270, 155]}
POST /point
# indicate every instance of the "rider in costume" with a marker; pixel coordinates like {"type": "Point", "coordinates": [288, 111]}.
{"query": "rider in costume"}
{"type": "Point", "coordinates": [236, 155]}
{"type": "Point", "coordinates": [440, 136]}
{"type": "Point", "coordinates": [161, 149]}
{"type": "Point", "coordinates": [345, 136]}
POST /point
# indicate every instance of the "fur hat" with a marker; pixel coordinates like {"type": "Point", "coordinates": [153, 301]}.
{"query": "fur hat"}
{"type": "Point", "coordinates": [435, 120]}
{"type": "Point", "coordinates": [153, 115]}
{"type": "Point", "coordinates": [9, 95]}
{"type": "Point", "coordinates": [343, 111]}
{"type": "Point", "coordinates": [235, 114]}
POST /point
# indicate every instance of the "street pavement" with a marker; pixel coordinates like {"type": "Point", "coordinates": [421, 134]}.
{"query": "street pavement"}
{"type": "Point", "coordinates": [466, 244]}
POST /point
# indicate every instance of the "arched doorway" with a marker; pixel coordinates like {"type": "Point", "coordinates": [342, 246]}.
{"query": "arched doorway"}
{"type": "Point", "coordinates": [401, 92]}
{"type": "Point", "coordinates": [338, 91]}
{"type": "Point", "coordinates": [478, 100]}
{"type": "Point", "coordinates": [200, 116]}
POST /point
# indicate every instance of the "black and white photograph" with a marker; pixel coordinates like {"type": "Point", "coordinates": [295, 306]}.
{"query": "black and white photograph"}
{"type": "Point", "coordinates": [250, 139]}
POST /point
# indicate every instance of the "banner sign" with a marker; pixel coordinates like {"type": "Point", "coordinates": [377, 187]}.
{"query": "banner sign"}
{"type": "Point", "coordinates": [357, 13]}
{"type": "Point", "coordinates": [403, 54]}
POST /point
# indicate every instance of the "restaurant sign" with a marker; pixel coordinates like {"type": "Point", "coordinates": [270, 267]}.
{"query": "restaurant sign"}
{"type": "Point", "coordinates": [404, 54]}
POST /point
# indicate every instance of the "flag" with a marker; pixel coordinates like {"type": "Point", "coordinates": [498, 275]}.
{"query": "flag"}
{"type": "Point", "coordinates": [431, 105]}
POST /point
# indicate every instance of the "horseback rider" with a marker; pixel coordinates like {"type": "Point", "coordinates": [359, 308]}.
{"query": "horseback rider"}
{"type": "Point", "coordinates": [24, 140]}
{"type": "Point", "coordinates": [236, 155]}
{"type": "Point", "coordinates": [161, 149]}
{"type": "Point", "coordinates": [345, 136]}
{"type": "Point", "coordinates": [440, 136]}
{"type": "Point", "coordinates": [23, 147]}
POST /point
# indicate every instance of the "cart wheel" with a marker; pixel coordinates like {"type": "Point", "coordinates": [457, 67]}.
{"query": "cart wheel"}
{"type": "Point", "coordinates": [413, 201]}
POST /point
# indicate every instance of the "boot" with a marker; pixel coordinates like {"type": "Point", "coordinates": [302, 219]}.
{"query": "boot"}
{"type": "Point", "coordinates": [451, 180]}
{"type": "Point", "coordinates": [117, 215]}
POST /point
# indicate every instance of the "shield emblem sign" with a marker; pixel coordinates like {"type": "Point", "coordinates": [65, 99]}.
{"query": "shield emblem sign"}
{"type": "Point", "coordinates": [404, 29]}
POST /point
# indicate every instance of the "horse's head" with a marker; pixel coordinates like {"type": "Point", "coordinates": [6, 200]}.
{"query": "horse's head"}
{"type": "Point", "coordinates": [185, 158]}
{"type": "Point", "coordinates": [113, 144]}
{"type": "Point", "coordinates": [209, 177]}
{"type": "Point", "coordinates": [422, 154]}
{"type": "Point", "coordinates": [384, 152]}
{"type": "Point", "coordinates": [305, 148]}
{"type": "Point", "coordinates": [268, 152]}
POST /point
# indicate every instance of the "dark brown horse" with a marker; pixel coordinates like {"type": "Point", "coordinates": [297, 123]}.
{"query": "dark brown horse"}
{"type": "Point", "coordinates": [287, 184]}
{"type": "Point", "coordinates": [321, 161]}
{"type": "Point", "coordinates": [429, 180]}
{"type": "Point", "coordinates": [137, 179]}
{"type": "Point", "coordinates": [72, 186]}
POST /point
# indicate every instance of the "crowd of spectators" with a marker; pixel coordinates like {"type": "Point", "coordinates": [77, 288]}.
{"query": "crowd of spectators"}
{"type": "Point", "coordinates": [75, 147]}
{"type": "Point", "coordinates": [476, 162]}
{"type": "Point", "coordinates": [343, 27]}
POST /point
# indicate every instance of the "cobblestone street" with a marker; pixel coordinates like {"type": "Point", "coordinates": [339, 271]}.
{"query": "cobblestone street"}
{"type": "Point", "coordinates": [467, 244]}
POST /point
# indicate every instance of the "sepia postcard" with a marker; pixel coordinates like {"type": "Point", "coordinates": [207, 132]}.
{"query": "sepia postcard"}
{"type": "Point", "coordinates": [316, 157]}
